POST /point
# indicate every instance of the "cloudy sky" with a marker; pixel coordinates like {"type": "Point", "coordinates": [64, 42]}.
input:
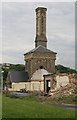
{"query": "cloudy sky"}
{"type": "Point", "coordinates": [19, 30]}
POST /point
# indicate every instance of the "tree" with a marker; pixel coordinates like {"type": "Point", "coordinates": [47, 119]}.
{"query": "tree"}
{"type": "Point", "coordinates": [62, 69]}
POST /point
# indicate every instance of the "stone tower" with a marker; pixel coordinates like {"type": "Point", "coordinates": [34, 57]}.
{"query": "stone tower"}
{"type": "Point", "coordinates": [41, 27]}
{"type": "Point", "coordinates": [40, 60]}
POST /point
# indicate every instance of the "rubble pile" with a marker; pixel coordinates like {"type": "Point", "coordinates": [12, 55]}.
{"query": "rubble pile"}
{"type": "Point", "coordinates": [72, 78]}
{"type": "Point", "coordinates": [68, 90]}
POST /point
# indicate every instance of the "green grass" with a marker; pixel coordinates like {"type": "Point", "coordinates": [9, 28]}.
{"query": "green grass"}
{"type": "Point", "coordinates": [0, 106]}
{"type": "Point", "coordinates": [25, 108]}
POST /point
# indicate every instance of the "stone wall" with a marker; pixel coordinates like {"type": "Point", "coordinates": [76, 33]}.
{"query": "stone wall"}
{"type": "Point", "coordinates": [46, 63]}
{"type": "Point", "coordinates": [60, 82]}
{"type": "Point", "coordinates": [66, 85]}
{"type": "Point", "coordinates": [35, 60]}
{"type": "Point", "coordinates": [62, 79]}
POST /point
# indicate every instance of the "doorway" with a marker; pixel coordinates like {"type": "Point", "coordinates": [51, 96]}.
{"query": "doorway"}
{"type": "Point", "coordinates": [47, 85]}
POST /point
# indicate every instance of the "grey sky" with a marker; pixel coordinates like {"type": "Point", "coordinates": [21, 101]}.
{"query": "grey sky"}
{"type": "Point", "coordinates": [19, 30]}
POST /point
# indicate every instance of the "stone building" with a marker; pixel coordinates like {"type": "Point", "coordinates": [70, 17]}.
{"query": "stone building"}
{"type": "Point", "coordinates": [39, 72]}
{"type": "Point", "coordinates": [40, 60]}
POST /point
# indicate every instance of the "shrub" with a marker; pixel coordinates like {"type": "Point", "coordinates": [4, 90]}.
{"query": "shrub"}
{"type": "Point", "coordinates": [23, 90]}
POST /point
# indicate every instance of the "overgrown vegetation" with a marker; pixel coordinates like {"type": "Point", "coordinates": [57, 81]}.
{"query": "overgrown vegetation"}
{"type": "Point", "coordinates": [23, 90]}
{"type": "Point", "coordinates": [48, 100]}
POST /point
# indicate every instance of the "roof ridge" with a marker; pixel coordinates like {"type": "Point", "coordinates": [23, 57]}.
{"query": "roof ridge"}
{"type": "Point", "coordinates": [40, 48]}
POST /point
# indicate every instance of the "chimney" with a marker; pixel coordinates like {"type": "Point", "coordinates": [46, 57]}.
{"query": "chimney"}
{"type": "Point", "coordinates": [41, 27]}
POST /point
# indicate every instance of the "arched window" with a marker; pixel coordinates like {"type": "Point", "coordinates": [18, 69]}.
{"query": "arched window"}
{"type": "Point", "coordinates": [41, 67]}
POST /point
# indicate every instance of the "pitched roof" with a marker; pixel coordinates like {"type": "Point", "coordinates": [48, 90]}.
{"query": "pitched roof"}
{"type": "Point", "coordinates": [18, 76]}
{"type": "Point", "coordinates": [40, 48]}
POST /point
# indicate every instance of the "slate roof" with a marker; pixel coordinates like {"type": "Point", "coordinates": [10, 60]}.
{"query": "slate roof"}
{"type": "Point", "coordinates": [40, 48]}
{"type": "Point", "coordinates": [18, 76]}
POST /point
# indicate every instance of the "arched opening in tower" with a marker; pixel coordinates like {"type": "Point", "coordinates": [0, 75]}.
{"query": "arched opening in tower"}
{"type": "Point", "coordinates": [38, 74]}
{"type": "Point", "coordinates": [41, 67]}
